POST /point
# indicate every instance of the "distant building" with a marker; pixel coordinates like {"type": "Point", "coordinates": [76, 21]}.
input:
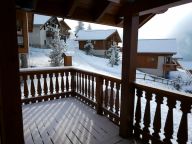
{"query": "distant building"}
{"type": "Point", "coordinates": [42, 33]}
{"type": "Point", "coordinates": [101, 39]}
{"type": "Point", "coordinates": [155, 56]}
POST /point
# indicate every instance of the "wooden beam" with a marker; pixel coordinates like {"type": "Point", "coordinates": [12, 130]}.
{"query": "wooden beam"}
{"type": "Point", "coordinates": [115, 1]}
{"type": "Point", "coordinates": [158, 6]}
{"type": "Point", "coordinates": [11, 126]}
{"type": "Point", "coordinates": [103, 7]}
{"type": "Point", "coordinates": [73, 5]}
{"type": "Point", "coordinates": [145, 18]}
{"type": "Point", "coordinates": [130, 38]}
{"type": "Point", "coordinates": [49, 7]}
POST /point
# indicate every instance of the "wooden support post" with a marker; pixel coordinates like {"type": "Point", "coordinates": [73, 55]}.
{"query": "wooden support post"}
{"type": "Point", "coordinates": [73, 83]}
{"type": "Point", "coordinates": [130, 38]}
{"type": "Point", "coordinates": [11, 127]}
{"type": "Point", "coordinates": [99, 92]}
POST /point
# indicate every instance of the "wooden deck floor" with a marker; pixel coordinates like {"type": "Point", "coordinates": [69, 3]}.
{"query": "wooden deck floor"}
{"type": "Point", "coordinates": [67, 121]}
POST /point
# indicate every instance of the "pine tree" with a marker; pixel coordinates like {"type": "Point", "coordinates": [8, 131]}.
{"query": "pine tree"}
{"type": "Point", "coordinates": [80, 26]}
{"type": "Point", "coordinates": [58, 47]}
{"type": "Point", "coordinates": [88, 47]}
{"type": "Point", "coordinates": [113, 54]}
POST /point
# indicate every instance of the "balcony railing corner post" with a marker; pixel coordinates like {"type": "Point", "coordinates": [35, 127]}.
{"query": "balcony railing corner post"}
{"type": "Point", "coordinates": [73, 83]}
{"type": "Point", "coordinates": [99, 96]}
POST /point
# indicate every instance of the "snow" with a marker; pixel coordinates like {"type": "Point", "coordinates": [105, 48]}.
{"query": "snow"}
{"type": "Point", "coordinates": [94, 34]}
{"type": "Point", "coordinates": [187, 65]}
{"type": "Point", "coordinates": [40, 19]}
{"type": "Point", "coordinates": [164, 46]}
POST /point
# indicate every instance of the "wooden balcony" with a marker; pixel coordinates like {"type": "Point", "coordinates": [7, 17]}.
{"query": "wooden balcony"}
{"type": "Point", "coordinates": [170, 67]}
{"type": "Point", "coordinates": [160, 116]}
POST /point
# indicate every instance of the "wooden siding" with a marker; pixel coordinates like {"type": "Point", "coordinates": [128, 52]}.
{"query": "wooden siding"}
{"type": "Point", "coordinates": [98, 44]}
{"type": "Point", "coordinates": [102, 44]}
{"type": "Point", "coordinates": [147, 61]}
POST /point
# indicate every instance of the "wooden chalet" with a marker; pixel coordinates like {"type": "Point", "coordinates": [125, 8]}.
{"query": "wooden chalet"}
{"type": "Point", "coordinates": [33, 115]}
{"type": "Point", "coordinates": [53, 21]}
{"type": "Point", "coordinates": [101, 39]}
{"type": "Point", "coordinates": [42, 31]}
{"type": "Point", "coordinates": [155, 56]}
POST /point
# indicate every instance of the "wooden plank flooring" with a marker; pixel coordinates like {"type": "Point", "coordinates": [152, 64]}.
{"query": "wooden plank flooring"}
{"type": "Point", "coordinates": [67, 121]}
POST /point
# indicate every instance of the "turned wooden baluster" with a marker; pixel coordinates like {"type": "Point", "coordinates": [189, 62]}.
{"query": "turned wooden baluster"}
{"type": "Point", "coordinates": [26, 91]}
{"type": "Point", "coordinates": [139, 94]}
{"type": "Point", "coordinates": [45, 84]}
{"type": "Point", "coordinates": [182, 135]}
{"type": "Point", "coordinates": [89, 87]}
{"type": "Point", "coordinates": [147, 117]}
{"type": "Point", "coordinates": [169, 121]}
{"type": "Point", "coordinates": [51, 83]}
{"type": "Point", "coordinates": [111, 101]}
{"type": "Point", "coordinates": [39, 89]}
{"type": "Point", "coordinates": [67, 82]}
{"type": "Point", "coordinates": [85, 85]}
{"type": "Point", "coordinates": [106, 93]}
{"type": "Point", "coordinates": [56, 83]}
{"type": "Point", "coordinates": [93, 88]}
{"type": "Point", "coordinates": [62, 82]}
{"type": "Point", "coordinates": [32, 86]}
{"type": "Point", "coordinates": [157, 118]}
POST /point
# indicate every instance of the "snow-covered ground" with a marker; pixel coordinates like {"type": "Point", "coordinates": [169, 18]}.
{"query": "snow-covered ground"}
{"type": "Point", "coordinates": [39, 58]}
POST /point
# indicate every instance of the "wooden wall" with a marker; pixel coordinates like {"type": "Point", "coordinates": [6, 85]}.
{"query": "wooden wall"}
{"type": "Point", "coordinates": [102, 44]}
{"type": "Point", "coordinates": [147, 61]}
{"type": "Point", "coordinates": [22, 17]}
{"type": "Point", "coordinates": [98, 45]}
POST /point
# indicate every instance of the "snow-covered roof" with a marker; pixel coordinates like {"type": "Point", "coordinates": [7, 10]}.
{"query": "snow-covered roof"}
{"type": "Point", "coordinates": [94, 34]}
{"type": "Point", "coordinates": [163, 46]}
{"type": "Point", "coordinates": [40, 19]}
{"type": "Point", "coordinates": [187, 65]}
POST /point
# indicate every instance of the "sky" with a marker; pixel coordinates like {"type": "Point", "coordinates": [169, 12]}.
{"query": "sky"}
{"type": "Point", "coordinates": [160, 26]}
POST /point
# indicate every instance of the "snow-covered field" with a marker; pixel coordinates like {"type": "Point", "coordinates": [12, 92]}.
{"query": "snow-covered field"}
{"type": "Point", "coordinates": [39, 58]}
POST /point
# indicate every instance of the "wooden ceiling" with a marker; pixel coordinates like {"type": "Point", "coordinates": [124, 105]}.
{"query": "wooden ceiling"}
{"type": "Point", "coordinates": [108, 12]}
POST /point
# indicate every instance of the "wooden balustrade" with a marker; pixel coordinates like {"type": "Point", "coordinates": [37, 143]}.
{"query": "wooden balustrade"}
{"type": "Point", "coordinates": [103, 94]}
{"type": "Point", "coordinates": [42, 85]}
{"type": "Point", "coordinates": [150, 134]}
{"type": "Point", "coordinates": [99, 91]}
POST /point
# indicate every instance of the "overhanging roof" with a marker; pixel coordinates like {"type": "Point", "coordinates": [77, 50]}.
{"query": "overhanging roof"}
{"type": "Point", "coordinates": [108, 12]}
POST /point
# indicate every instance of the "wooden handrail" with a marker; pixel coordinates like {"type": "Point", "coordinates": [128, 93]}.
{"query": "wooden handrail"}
{"type": "Point", "coordinates": [165, 92]}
